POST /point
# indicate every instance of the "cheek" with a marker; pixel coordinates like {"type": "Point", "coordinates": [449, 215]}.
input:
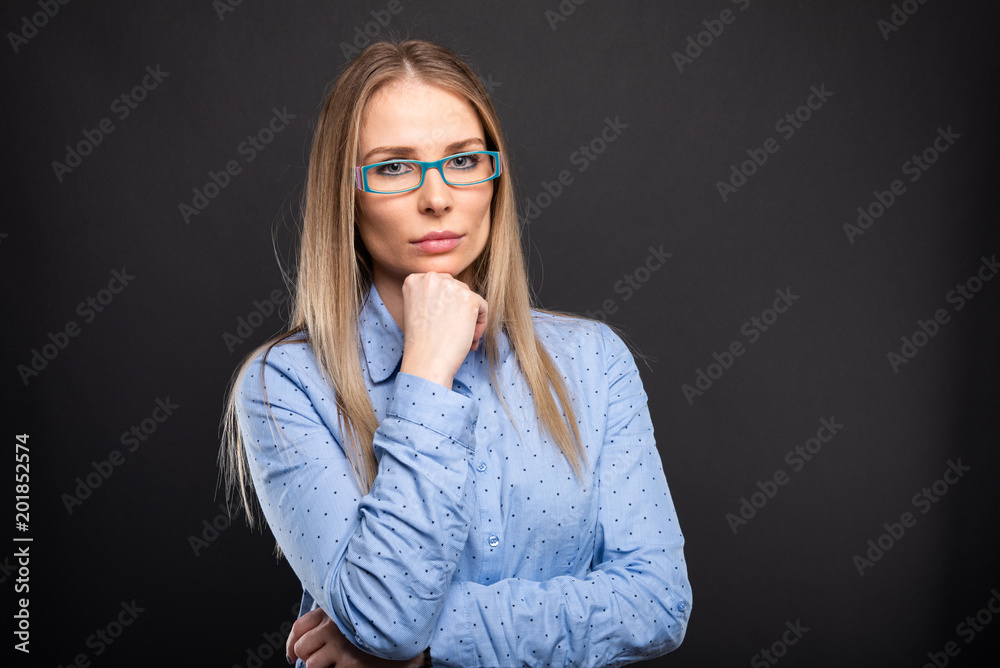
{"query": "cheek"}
{"type": "Point", "coordinates": [480, 204]}
{"type": "Point", "coordinates": [374, 221]}
{"type": "Point", "coordinates": [487, 216]}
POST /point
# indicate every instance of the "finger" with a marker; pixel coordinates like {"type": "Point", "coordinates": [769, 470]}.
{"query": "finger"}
{"type": "Point", "coordinates": [310, 643]}
{"type": "Point", "coordinates": [324, 657]}
{"type": "Point", "coordinates": [302, 625]}
{"type": "Point", "coordinates": [327, 634]}
{"type": "Point", "coordinates": [484, 312]}
{"type": "Point", "coordinates": [481, 320]}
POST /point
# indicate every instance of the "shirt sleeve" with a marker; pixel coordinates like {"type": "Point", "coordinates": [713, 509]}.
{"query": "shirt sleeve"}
{"type": "Point", "coordinates": [635, 602]}
{"type": "Point", "coordinates": [379, 564]}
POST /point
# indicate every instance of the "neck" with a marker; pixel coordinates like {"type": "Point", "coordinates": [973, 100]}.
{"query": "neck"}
{"type": "Point", "coordinates": [391, 292]}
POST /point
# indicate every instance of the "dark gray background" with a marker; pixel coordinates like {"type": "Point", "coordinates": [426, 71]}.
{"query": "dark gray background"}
{"type": "Point", "coordinates": [162, 336]}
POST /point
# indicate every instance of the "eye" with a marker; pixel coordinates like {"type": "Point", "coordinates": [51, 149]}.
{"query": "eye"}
{"type": "Point", "coordinates": [394, 169]}
{"type": "Point", "coordinates": [464, 161]}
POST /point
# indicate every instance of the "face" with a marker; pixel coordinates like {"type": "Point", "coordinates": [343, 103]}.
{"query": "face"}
{"type": "Point", "coordinates": [412, 120]}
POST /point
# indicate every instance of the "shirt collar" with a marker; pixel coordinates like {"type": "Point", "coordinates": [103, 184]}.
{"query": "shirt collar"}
{"type": "Point", "coordinates": [382, 339]}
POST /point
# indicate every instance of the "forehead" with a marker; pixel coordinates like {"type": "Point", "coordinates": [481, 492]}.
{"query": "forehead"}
{"type": "Point", "coordinates": [417, 115]}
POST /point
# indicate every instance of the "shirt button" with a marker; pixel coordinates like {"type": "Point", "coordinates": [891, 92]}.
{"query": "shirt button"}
{"type": "Point", "coordinates": [482, 467]}
{"type": "Point", "coordinates": [494, 541]}
{"type": "Point", "coordinates": [682, 606]}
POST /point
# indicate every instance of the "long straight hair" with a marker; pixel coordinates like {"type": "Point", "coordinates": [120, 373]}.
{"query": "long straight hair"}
{"type": "Point", "coordinates": [335, 268]}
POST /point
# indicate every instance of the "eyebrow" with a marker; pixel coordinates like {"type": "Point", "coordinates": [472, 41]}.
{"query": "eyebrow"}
{"type": "Point", "coordinates": [408, 152]}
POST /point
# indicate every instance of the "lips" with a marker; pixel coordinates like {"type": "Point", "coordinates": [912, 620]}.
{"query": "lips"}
{"type": "Point", "coordinates": [438, 242]}
{"type": "Point", "coordinates": [433, 236]}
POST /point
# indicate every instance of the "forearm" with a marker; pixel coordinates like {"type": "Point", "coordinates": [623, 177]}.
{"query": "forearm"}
{"type": "Point", "coordinates": [610, 617]}
{"type": "Point", "coordinates": [413, 525]}
{"type": "Point", "coordinates": [379, 563]}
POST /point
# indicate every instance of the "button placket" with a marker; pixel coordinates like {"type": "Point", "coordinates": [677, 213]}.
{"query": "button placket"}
{"type": "Point", "coordinates": [488, 488]}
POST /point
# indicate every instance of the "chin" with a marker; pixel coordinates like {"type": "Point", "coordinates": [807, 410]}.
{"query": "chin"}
{"type": "Point", "coordinates": [445, 268]}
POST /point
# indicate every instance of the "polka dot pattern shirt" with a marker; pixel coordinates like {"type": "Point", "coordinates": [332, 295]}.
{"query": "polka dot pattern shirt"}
{"type": "Point", "coordinates": [476, 539]}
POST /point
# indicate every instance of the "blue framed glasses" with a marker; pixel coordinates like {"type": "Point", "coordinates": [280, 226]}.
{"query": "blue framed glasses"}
{"type": "Point", "coordinates": [400, 176]}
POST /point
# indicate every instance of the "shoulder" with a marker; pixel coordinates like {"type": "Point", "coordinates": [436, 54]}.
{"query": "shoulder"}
{"type": "Point", "coordinates": [585, 344]}
{"type": "Point", "coordinates": [566, 330]}
{"type": "Point", "coordinates": [287, 360]}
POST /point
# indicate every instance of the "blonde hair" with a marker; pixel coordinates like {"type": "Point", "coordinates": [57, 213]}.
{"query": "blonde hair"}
{"type": "Point", "coordinates": [335, 269]}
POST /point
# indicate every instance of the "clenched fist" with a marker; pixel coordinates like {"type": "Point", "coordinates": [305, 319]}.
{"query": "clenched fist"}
{"type": "Point", "coordinates": [443, 321]}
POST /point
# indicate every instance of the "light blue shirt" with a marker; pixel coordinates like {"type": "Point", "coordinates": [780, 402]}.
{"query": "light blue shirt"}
{"type": "Point", "coordinates": [476, 538]}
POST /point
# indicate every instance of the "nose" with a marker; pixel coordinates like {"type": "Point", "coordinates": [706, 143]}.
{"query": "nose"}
{"type": "Point", "coordinates": [434, 194]}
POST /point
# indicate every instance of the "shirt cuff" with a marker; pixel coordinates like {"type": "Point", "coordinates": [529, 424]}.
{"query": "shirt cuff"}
{"type": "Point", "coordinates": [431, 406]}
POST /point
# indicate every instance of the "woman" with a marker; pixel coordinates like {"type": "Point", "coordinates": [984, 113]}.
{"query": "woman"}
{"type": "Point", "coordinates": [453, 476]}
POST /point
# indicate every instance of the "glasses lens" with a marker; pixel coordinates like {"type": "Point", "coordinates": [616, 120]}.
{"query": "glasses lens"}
{"type": "Point", "coordinates": [469, 168]}
{"type": "Point", "coordinates": [393, 176]}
